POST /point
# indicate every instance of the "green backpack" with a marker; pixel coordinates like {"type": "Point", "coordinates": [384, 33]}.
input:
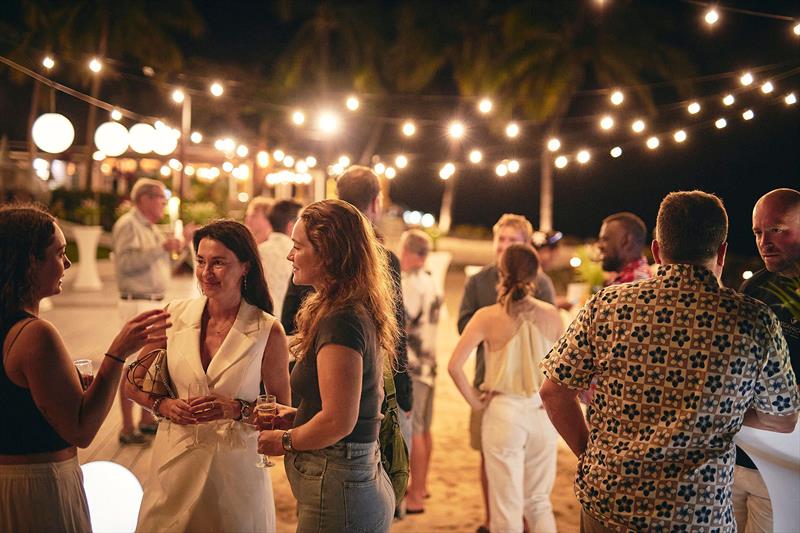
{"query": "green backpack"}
{"type": "Point", "coordinates": [394, 451]}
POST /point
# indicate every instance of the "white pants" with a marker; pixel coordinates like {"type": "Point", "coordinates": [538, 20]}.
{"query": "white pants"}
{"type": "Point", "coordinates": [519, 450]}
{"type": "Point", "coordinates": [751, 504]}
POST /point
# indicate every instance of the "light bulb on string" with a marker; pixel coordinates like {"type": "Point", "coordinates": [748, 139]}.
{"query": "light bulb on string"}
{"type": "Point", "coordinates": [328, 122]}
{"type": "Point", "coordinates": [447, 171]}
{"type": "Point", "coordinates": [583, 157]}
{"type": "Point", "coordinates": [767, 87]}
{"type": "Point", "coordinates": [485, 106]}
{"type": "Point", "coordinates": [401, 161]}
{"type": "Point", "coordinates": [616, 152]}
{"type": "Point", "coordinates": [607, 122]}
{"type": "Point", "coordinates": [638, 126]}
{"type": "Point", "coordinates": [693, 108]}
{"type": "Point", "coordinates": [311, 161]}
{"type": "Point", "coordinates": [298, 118]}
{"type": "Point", "coordinates": [352, 103]}
{"type": "Point", "coordinates": [390, 173]}
{"type": "Point", "coordinates": [196, 137]}
{"type": "Point", "coordinates": [617, 97]}
{"type": "Point", "coordinates": [408, 128]}
{"type": "Point", "coordinates": [344, 160]}
{"type": "Point", "coordinates": [748, 114]}
{"type": "Point", "coordinates": [456, 129]}
{"type": "Point", "coordinates": [216, 89]}
{"type": "Point", "coordinates": [475, 156]}
{"type": "Point", "coordinates": [653, 143]}
{"type": "Point", "coordinates": [746, 79]}
{"type": "Point", "coordinates": [95, 65]}
{"type": "Point", "coordinates": [48, 62]}
{"type": "Point", "coordinates": [728, 100]}
{"type": "Point", "coordinates": [242, 150]}
{"type": "Point", "coordinates": [796, 29]}
{"type": "Point", "coordinates": [501, 169]}
{"type": "Point", "coordinates": [790, 99]}
{"type": "Point", "coordinates": [116, 115]}
{"type": "Point", "coordinates": [720, 123]}
{"type": "Point", "coordinates": [711, 17]}
{"type": "Point", "coordinates": [178, 96]}
{"type": "Point", "coordinates": [561, 161]}
{"type": "Point", "coordinates": [513, 166]}
{"type": "Point", "coordinates": [288, 161]}
{"type": "Point", "coordinates": [679, 136]}
{"type": "Point", "coordinates": [512, 130]}
{"type": "Point", "coordinates": [278, 155]}
{"type": "Point", "coordinates": [379, 168]}
{"type": "Point", "coordinates": [553, 144]}
{"type": "Point", "coordinates": [262, 159]}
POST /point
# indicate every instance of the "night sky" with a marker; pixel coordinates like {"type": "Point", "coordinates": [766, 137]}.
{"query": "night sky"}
{"type": "Point", "coordinates": [739, 163]}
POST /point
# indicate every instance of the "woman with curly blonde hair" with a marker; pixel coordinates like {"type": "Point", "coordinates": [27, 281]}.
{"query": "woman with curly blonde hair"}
{"type": "Point", "coordinates": [347, 333]}
{"type": "Point", "coordinates": [518, 440]}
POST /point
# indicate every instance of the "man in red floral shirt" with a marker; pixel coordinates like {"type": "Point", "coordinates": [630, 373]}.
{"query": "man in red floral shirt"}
{"type": "Point", "coordinates": [621, 240]}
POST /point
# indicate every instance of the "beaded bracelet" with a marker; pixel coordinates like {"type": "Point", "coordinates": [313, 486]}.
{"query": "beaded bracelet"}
{"type": "Point", "coordinates": [115, 358]}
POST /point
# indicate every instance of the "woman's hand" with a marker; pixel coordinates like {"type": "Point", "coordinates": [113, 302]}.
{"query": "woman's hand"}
{"type": "Point", "coordinates": [142, 329]}
{"type": "Point", "coordinates": [177, 411]}
{"type": "Point", "coordinates": [270, 442]}
{"type": "Point", "coordinates": [284, 419]}
{"type": "Point", "coordinates": [214, 406]}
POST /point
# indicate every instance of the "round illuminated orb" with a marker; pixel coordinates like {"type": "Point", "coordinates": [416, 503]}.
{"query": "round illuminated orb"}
{"type": "Point", "coordinates": [112, 138]}
{"type": "Point", "coordinates": [142, 138]}
{"type": "Point", "coordinates": [164, 143]}
{"type": "Point", "coordinates": [53, 133]}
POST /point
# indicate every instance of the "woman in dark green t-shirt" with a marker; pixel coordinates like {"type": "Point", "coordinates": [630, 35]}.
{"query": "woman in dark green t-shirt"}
{"type": "Point", "coordinates": [344, 329]}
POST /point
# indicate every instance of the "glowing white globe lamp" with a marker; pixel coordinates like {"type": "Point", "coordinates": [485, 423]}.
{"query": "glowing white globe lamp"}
{"type": "Point", "coordinates": [114, 496]}
{"type": "Point", "coordinates": [142, 137]}
{"type": "Point", "coordinates": [53, 133]}
{"type": "Point", "coordinates": [164, 142]}
{"type": "Point", "coordinates": [112, 138]}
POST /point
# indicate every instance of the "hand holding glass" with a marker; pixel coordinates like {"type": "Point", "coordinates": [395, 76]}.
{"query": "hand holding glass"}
{"type": "Point", "coordinates": [196, 389]}
{"type": "Point", "coordinates": [266, 410]}
{"type": "Point", "coordinates": [85, 371]}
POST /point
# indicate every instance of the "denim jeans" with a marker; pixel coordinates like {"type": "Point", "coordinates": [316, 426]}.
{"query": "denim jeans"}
{"type": "Point", "coordinates": [341, 488]}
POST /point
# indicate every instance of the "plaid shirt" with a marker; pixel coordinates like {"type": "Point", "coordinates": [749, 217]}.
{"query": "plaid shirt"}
{"type": "Point", "coordinates": [678, 360]}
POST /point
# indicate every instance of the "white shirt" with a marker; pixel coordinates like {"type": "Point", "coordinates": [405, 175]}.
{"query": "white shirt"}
{"type": "Point", "coordinates": [277, 269]}
{"type": "Point", "coordinates": [422, 301]}
{"type": "Point", "coordinates": [143, 266]}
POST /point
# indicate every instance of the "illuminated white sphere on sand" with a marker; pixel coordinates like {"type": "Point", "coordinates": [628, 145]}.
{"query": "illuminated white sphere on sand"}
{"type": "Point", "coordinates": [114, 496]}
{"type": "Point", "coordinates": [112, 138]}
{"type": "Point", "coordinates": [142, 137]}
{"type": "Point", "coordinates": [53, 133]}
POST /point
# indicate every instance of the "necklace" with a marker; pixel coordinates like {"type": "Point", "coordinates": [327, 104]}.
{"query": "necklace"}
{"type": "Point", "coordinates": [221, 328]}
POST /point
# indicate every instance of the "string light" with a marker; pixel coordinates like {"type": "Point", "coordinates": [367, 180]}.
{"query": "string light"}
{"type": "Point", "coordinates": [116, 115]}
{"type": "Point", "coordinates": [95, 65]}
{"type": "Point", "coordinates": [165, 171]}
{"type": "Point", "coordinates": [679, 136]}
{"type": "Point", "coordinates": [475, 156]}
{"type": "Point", "coordinates": [301, 166]}
{"type": "Point", "coordinates": [796, 29]}
{"type": "Point", "coordinates": [616, 152]}
{"type": "Point", "coordinates": [693, 108]}
{"type": "Point", "coordinates": [720, 123]}
{"type": "Point", "coordinates": [456, 129]}
{"type": "Point", "coordinates": [501, 169]}
{"type": "Point", "coordinates": [748, 114]}
{"type": "Point", "coordinates": [447, 171]}
{"type": "Point", "coordinates": [409, 129]}
{"type": "Point", "coordinates": [328, 122]}
{"type": "Point", "coordinates": [553, 144]}
{"type": "Point", "coordinates": [298, 118]}
{"type": "Point", "coordinates": [352, 103]}
{"type": "Point", "coordinates": [711, 17]}
{"type": "Point", "coordinates": [174, 164]}
{"type": "Point", "coordinates": [728, 100]}
{"type": "Point", "coordinates": [311, 161]}
{"type": "Point", "coordinates": [653, 143]}
{"type": "Point", "coordinates": [189, 170]}
{"type": "Point", "coordinates": [390, 173]}
{"type": "Point", "coordinates": [575, 262]}
{"type": "Point", "coordinates": [344, 161]}
{"type": "Point", "coordinates": [196, 137]}
{"type": "Point", "coordinates": [512, 130]}
{"type": "Point", "coordinates": [746, 79]}
{"type": "Point", "coordinates": [278, 155]}
{"type": "Point", "coordinates": [607, 122]}
{"type": "Point", "coordinates": [242, 150]}
{"type": "Point", "coordinates": [288, 161]}
{"type": "Point", "coordinates": [216, 89]}
{"type": "Point", "coordinates": [178, 96]}
{"type": "Point", "coordinates": [561, 161]}
{"type": "Point", "coordinates": [638, 126]}
{"type": "Point", "coordinates": [401, 161]}
{"type": "Point", "coordinates": [513, 166]}
{"type": "Point", "coordinates": [48, 62]}
{"type": "Point", "coordinates": [617, 97]}
{"type": "Point", "coordinates": [262, 159]}
{"type": "Point", "coordinates": [583, 157]}
{"type": "Point", "coordinates": [767, 87]}
{"type": "Point", "coordinates": [790, 99]}
{"type": "Point", "coordinates": [227, 166]}
{"type": "Point", "coordinates": [380, 168]}
{"type": "Point", "coordinates": [485, 106]}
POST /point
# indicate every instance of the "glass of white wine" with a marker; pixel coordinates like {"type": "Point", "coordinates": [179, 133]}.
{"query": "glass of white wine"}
{"type": "Point", "coordinates": [266, 410]}
{"type": "Point", "coordinates": [196, 389]}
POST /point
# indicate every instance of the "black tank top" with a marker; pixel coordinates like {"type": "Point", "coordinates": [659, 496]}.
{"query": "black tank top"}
{"type": "Point", "coordinates": [25, 429]}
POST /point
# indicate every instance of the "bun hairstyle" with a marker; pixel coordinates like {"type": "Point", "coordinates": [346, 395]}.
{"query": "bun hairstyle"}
{"type": "Point", "coordinates": [518, 267]}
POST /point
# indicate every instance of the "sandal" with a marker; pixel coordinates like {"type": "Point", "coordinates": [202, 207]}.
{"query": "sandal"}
{"type": "Point", "coordinates": [148, 429]}
{"type": "Point", "coordinates": [133, 439]}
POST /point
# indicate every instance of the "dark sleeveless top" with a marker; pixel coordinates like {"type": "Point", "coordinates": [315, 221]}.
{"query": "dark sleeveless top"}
{"type": "Point", "coordinates": [25, 429]}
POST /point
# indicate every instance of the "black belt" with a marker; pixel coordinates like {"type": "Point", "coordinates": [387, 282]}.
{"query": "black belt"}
{"type": "Point", "coordinates": [135, 296]}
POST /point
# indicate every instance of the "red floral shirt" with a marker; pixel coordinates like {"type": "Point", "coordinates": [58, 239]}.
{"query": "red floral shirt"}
{"type": "Point", "coordinates": [635, 270]}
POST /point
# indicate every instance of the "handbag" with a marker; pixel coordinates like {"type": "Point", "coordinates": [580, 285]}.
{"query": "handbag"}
{"type": "Point", "coordinates": [394, 451]}
{"type": "Point", "coordinates": [156, 380]}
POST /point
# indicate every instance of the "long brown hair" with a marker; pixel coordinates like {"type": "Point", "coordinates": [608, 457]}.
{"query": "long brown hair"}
{"type": "Point", "coordinates": [518, 267]}
{"type": "Point", "coordinates": [26, 230]}
{"type": "Point", "coordinates": [356, 274]}
{"type": "Point", "coordinates": [237, 238]}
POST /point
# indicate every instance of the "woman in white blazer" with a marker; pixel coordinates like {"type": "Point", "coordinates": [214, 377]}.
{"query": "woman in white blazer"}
{"type": "Point", "coordinates": [203, 475]}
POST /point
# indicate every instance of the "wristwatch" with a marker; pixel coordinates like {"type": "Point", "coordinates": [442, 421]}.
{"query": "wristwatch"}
{"type": "Point", "coordinates": [246, 410]}
{"type": "Point", "coordinates": [286, 441]}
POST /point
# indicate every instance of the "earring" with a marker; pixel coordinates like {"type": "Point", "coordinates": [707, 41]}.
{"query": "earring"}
{"type": "Point", "coordinates": [244, 283]}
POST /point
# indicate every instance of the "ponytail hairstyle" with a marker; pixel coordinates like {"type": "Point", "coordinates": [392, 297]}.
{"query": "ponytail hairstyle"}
{"type": "Point", "coordinates": [518, 267]}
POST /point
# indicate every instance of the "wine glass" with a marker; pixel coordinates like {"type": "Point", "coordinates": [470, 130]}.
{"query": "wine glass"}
{"type": "Point", "coordinates": [266, 410]}
{"type": "Point", "coordinates": [196, 389]}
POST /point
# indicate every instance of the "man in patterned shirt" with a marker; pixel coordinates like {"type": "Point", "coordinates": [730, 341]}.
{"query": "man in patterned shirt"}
{"type": "Point", "coordinates": [681, 363]}
{"type": "Point", "coordinates": [622, 237]}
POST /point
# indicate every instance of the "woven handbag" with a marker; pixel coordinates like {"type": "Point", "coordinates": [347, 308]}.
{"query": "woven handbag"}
{"type": "Point", "coordinates": [156, 380]}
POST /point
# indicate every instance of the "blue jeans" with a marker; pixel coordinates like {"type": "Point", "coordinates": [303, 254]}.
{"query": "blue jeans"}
{"type": "Point", "coordinates": [341, 488]}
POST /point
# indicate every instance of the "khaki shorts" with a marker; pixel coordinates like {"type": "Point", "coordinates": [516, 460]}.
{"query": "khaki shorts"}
{"type": "Point", "coordinates": [422, 412]}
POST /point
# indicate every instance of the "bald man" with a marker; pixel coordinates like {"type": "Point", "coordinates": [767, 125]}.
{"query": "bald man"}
{"type": "Point", "coordinates": [776, 226]}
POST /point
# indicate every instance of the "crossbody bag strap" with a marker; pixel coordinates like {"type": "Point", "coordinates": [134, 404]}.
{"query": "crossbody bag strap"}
{"type": "Point", "coordinates": [389, 389]}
